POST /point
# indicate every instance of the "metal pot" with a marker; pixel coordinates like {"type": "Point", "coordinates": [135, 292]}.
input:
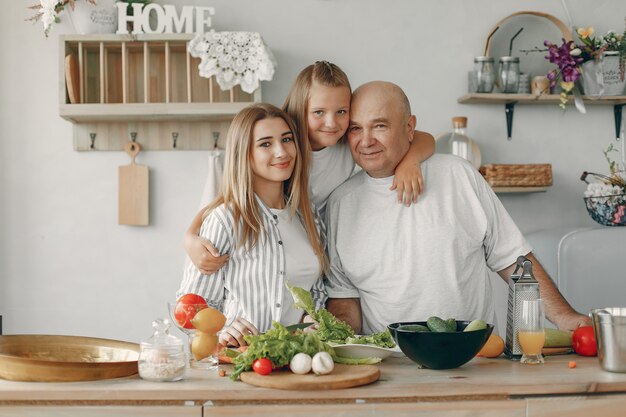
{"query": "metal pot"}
{"type": "Point", "coordinates": [609, 325]}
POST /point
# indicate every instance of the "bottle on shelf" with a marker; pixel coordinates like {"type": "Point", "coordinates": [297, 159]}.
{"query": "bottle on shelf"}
{"type": "Point", "coordinates": [458, 142]}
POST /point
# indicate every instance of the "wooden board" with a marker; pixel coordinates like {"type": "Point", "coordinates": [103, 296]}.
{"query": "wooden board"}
{"type": "Point", "coordinates": [134, 182]}
{"type": "Point", "coordinates": [72, 78]}
{"type": "Point", "coordinates": [343, 376]}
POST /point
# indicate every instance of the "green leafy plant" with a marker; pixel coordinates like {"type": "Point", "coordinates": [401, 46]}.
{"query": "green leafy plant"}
{"type": "Point", "coordinates": [593, 48]}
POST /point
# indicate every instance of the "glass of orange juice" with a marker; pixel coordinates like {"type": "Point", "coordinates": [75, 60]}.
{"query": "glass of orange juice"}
{"type": "Point", "coordinates": [531, 333]}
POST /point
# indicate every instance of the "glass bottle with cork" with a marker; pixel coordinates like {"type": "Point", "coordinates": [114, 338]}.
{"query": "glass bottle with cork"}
{"type": "Point", "coordinates": [458, 142]}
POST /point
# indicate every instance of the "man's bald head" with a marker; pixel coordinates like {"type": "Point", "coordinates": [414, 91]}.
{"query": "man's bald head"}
{"type": "Point", "coordinates": [389, 91]}
{"type": "Point", "coordinates": [381, 127]}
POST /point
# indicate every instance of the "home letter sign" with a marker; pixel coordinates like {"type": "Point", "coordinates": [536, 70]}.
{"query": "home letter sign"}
{"type": "Point", "coordinates": [167, 20]}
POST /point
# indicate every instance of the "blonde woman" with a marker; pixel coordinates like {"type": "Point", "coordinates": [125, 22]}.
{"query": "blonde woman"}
{"type": "Point", "coordinates": [263, 221]}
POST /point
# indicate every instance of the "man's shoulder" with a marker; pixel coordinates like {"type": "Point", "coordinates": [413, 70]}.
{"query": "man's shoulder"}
{"type": "Point", "coordinates": [446, 161]}
{"type": "Point", "coordinates": [443, 166]}
{"type": "Point", "coordinates": [348, 187]}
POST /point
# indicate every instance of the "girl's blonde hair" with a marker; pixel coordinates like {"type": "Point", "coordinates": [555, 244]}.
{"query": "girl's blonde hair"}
{"type": "Point", "coordinates": [297, 101]}
{"type": "Point", "coordinates": [237, 191]}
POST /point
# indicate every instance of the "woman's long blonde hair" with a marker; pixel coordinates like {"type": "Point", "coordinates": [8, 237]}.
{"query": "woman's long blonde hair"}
{"type": "Point", "coordinates": [237, 191]}
{"type": "Point", "coordinates": [297, 101]}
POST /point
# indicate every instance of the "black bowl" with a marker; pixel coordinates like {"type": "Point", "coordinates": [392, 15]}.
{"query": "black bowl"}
{"type": "Point", "coordinates": [444, 350]}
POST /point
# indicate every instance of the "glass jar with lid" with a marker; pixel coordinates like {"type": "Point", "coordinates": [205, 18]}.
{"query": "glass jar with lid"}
{"type": "Point", "coordinates": [162, 356]}
{"type": "Point", "coordinates": [484, 74]}
{"type": "Point", "coordinates": [508, 74]}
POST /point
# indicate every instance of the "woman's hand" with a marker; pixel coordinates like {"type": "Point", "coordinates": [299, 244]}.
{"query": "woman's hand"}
{"type": "Point", "coordinates": [204, 255]}
{"type": "Point", "coordinates": [233, 334]}
{"type": "Point", "coordinates": [408, 181]}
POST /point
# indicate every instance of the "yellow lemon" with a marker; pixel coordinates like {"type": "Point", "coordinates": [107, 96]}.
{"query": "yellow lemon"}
{"type": "Point", "coordinates": [203, 345]}
{"type": "Point", "coordinates": [208, 320]}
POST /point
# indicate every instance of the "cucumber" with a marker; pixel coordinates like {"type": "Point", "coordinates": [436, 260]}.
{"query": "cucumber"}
{"type": "Point", "coordinates": [475, 325]}
{"type": "Point", "coordinates": [437, 324]}
{"type": "Point", "coordinates": [558, 338]}
{"type": "Point", "coordinates": [414, 328]}
{"type": "Point", "coordinates": [451, 323]}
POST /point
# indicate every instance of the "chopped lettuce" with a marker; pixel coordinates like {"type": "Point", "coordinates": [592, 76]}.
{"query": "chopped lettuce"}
{"type": "Point", "coordinates": [382, 339]}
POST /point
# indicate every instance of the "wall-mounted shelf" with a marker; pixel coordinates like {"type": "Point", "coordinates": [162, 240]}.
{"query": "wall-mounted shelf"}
{"type": "Point", "coordinates": [515, 190]}
{"type": "Point", "coordinates": [510, 100]}
{"type": "Point", "coordinates": [146, 87]}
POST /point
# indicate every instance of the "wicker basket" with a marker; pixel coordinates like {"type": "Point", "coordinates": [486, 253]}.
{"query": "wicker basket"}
{"type": "Point", "coordinates": [508, 175]}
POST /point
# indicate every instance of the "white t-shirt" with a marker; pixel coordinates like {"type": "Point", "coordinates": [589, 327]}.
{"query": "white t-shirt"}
{"type": "Point", "coordinates": [429, 259]}
{"type": "Point", "coordinates": [330, 167]}
{"type": "Point", "coordinates": [302, 268]}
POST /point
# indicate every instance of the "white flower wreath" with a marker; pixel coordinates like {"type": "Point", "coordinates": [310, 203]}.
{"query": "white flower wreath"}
{"type": "Point", "coordinates": [233, 58]}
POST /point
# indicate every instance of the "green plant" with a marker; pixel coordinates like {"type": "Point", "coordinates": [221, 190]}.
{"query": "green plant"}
{"type": "Point", "coordinates": [593, 48]}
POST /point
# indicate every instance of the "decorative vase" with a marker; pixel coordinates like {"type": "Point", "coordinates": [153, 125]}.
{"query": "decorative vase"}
{"type": "Point", "coordinates": [602, 77]}
{"type": "Point", "coordinates": [87, 18]}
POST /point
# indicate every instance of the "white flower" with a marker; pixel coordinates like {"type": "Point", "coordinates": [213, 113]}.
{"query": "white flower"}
{"type": "Point", "coordinates": [575, 52]}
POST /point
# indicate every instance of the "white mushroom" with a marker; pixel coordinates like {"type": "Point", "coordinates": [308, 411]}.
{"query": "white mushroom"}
{"type": "Point", "coordinates": [322, 363]}
{"type": "Point", "coordinates": [300, 364]}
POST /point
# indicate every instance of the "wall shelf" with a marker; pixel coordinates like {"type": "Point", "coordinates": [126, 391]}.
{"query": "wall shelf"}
{"type": "Point", "coordinates": [515, 190]}
{"type": "Point", "coordinates": [114, 88]}
{"type": "Point", "coordinates": [510, 100]}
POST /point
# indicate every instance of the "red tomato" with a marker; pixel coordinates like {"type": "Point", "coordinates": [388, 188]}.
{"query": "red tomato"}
{"type": "Point", "coordinates": [584, 341]}
{"type": "Point", "coordinates": [262, 366]}
{"type": "Point", "coordinates": [186, 308]}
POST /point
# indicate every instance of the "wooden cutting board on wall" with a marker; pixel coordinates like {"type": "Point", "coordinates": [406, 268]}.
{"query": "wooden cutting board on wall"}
{"type": "Point", "coordinates": [72, 78]}
{"type": "Point", "coordinates": [134, 187]}
{"type": "Point", "coordinates": [343, 376]}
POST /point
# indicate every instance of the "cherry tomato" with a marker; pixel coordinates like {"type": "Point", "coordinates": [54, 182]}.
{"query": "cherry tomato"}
{"type": "Point", "coordinates": [262, 366]}
{"type": "Point", "coordinates": [584, 341]}
{"type": "Point", "coordinates": [186, 308]}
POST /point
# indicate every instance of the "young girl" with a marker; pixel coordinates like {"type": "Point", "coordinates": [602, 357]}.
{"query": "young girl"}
{"type": "Point", "coordinates": [263, 220]}
{"type": "Point", "coordinates": [319, 103]}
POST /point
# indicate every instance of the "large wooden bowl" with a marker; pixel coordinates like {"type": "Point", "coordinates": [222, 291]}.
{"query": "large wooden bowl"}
{"type": "Point", "coordinates": [48, 358]}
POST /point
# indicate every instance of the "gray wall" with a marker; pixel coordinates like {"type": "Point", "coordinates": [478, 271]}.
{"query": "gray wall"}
{"type": "Point", "coordinates": [67, 267]}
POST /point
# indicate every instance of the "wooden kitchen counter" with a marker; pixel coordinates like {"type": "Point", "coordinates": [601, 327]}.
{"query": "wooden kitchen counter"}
{"type": "Point", "coordinates": [496, 386]}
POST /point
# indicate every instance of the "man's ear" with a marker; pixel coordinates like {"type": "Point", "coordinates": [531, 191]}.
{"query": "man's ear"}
{"type": "Point", "coordinates": [410, 126]}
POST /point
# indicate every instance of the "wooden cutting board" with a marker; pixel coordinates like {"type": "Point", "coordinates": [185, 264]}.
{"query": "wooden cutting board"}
{"type": "Point", "coordinates": [134, 189]}
{"type": "Point", "coordinates": [343, 376]}
{"type": "Point", "coordinates": [72, 78]}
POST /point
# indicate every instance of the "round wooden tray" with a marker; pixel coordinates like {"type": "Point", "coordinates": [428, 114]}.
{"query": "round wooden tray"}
{"type": "Point", "coordinates": [47, 358]}
{"type": "Point", "coordinates": [343, 376]}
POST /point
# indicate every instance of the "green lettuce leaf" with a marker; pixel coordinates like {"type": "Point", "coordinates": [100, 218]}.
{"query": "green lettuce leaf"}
{"type": "Point", "coordinates": [382, 339]}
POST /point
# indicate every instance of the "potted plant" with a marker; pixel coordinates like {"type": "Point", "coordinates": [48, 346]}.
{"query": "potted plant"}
{"type": "Point", "coordinates": [604, 62]}
{"type": "Point", "coordinates": [48, 11]}
{"type": "Point", "coordinates": [99, 17]}
{"type": "Point", "coordinates": [600, 62]}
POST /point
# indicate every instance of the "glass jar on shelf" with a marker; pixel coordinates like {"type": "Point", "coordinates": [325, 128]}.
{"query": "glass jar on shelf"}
{"type": "Point", "coordinates": [162, 356]}
{"type": "Point", "coordinates": [508, 74]}
{"type": "Point", "coordinates": [483, 77]}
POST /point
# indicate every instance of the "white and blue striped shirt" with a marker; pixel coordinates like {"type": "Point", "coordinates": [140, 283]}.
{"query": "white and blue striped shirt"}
{"type": "Point", "coordinates": [252, 283]}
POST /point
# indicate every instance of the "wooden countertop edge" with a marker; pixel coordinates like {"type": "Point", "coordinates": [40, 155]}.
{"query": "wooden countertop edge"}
{"type": "Point", "coordinates": [272, 396]}
{"type": "Point", "coordinates": [482, 379]}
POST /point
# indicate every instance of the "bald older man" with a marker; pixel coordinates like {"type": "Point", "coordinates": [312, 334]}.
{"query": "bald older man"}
{"type": "Point", "coordinates": [392, 263]}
